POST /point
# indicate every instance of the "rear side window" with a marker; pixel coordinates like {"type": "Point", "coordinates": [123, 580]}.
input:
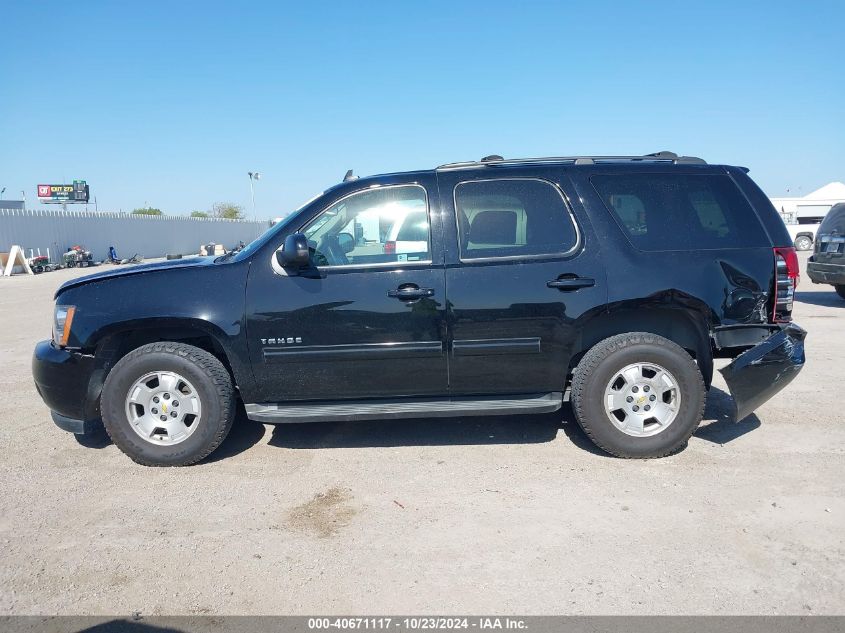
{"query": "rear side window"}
{"type": "Point", "coordinates": [512, 217]}
{"type": "Point", "coordinates": [661, 212]}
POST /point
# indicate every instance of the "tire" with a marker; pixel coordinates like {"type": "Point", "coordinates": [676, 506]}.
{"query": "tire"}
{"type": "Point", "coordinates": [803, 243]}
{"type": "Point", "coordinates": [205, 383]}
{"type": "Point", "coordinates": [840, 290]}
{"type": "Point", "coordinates": [604, 362]}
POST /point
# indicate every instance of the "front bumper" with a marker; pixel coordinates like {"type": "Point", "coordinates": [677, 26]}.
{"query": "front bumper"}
{"type": "Point", "coordinates": [820, 273]}
{"type": "Point", "coordinates": [762, 371]}
{"type": "Point", "coordinates": [63, 379]}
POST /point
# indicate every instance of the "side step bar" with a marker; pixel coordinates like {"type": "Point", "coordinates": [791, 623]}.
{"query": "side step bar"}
{"type": "Point", "coordinates": [395, 409]}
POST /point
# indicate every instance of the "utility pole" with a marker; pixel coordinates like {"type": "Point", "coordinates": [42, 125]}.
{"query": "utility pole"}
{"type": "Point", "coordinates": [253, 176]}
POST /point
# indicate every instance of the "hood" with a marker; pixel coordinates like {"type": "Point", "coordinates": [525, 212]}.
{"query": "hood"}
{"type": "Point", "coordinates": [126, 270]}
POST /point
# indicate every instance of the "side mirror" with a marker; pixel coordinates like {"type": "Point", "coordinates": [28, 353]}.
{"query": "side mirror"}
{"type": "Point", "coordinates": [346, 242]}
{"type": "Point", "coordinates": [295, 251]}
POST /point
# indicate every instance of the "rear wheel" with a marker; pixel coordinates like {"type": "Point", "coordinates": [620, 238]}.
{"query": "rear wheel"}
{"type": "Point", "coordinates": [840, 290]}
{"type": "Point", "coordinates": [803, 243]}
{"type": "Point", "coordinates": [638, 395]}
{"type": "Point", "coordinates": [168, 404]}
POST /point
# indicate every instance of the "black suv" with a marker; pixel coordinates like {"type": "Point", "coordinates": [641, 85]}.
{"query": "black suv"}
{"type": "Point", "coordinates": [476, 288]}
{"type": "Point", "coordinates": [827, 263]}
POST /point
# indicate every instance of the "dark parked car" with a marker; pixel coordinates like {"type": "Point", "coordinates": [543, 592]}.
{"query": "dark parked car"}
{"type": "Point", "coordinates": [827, 263]}
{"type": "Point", "coordinates": [614, 281]}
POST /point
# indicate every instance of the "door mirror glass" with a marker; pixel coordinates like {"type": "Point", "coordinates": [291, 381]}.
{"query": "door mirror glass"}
{"type": "Point", "coordinates": [295, 251]}
{"type": "Point", "coordinates": [346, 242]}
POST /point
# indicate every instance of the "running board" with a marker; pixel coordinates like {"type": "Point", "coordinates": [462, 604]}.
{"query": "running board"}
{"type": "Point", "coordinates": [354, 410]}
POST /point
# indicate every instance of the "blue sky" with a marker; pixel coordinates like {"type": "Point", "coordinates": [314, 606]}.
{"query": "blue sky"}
{"type": "Point", "coordinates": [171, 103]}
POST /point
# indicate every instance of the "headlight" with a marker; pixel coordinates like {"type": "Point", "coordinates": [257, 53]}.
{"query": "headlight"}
{"type": "Point", "coordinates": [62, 320]}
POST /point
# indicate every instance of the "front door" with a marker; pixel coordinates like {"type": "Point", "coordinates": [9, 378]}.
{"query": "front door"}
{"type": "Point", "coordinates": [368, 318]}
{"type": "Point", "coordinates": [521, 272]}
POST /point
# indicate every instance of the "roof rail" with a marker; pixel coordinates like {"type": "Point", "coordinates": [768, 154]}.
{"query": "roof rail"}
{"type": "Point", "coordinates": [495, 160]}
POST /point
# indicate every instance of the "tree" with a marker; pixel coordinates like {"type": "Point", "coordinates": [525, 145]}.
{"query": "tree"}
{"type": "Point", "coordinates": [199, 214]}
{"type": "Point", "coordinates": [146, 211]}
{"type": "Point", "coordinates": [227, 210]}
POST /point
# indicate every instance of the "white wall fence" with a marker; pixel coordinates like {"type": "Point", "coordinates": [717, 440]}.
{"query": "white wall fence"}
{"type": "Point", "coordinates": [147, 235]}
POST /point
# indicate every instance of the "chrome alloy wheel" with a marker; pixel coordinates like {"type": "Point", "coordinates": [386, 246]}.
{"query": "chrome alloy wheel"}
{"type": "Point", "coordinates": [642, 399]}
{"type": "Point", "coordinates": [163, 408]}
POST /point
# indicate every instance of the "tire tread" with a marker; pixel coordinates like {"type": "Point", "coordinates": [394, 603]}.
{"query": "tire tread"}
{"type": "Point", "coordinates": [208, 364]}
{"type": "Point", "coordinates": [587, 366]}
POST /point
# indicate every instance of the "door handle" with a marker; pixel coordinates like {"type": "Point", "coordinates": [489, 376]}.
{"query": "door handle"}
{"type": "Point", "coordinates": [409, 292]}
{"type": "Point", "coordinates": [567, 282]}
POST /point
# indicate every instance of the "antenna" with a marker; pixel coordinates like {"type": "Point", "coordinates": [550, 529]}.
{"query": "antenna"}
{"type": "Point", "coordinates": [349, 177]}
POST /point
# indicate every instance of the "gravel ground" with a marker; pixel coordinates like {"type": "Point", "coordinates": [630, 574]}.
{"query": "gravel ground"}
{"type": "Point", "coordinates": [502, 515]}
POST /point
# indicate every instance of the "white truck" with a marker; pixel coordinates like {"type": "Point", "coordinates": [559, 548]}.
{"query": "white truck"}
{"type": "Point", "coordinates": [803, 235]}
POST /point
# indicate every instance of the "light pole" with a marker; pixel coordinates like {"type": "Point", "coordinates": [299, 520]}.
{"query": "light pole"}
{"type": "Point", "coordinates": [253, 176]}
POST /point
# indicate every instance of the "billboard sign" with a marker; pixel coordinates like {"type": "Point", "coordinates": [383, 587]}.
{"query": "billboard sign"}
{"type": "Point", "coordinates": [77, 192]}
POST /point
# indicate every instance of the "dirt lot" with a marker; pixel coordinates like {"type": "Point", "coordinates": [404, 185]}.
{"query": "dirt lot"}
{"type": "Point", "coordinates": [499, 515]}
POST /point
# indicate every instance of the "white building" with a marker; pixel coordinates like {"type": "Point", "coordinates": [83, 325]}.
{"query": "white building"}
{"type": "Point", "coordinates": [810, 209]}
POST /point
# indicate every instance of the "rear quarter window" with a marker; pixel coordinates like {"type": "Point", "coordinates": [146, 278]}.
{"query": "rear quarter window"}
{"type": "Point", "coordinates": [660, 212]}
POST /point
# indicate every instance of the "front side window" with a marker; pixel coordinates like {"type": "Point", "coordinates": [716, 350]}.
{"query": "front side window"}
{"type": "Point", "coordinates": [662, 212]}
{"type": "Point", "coordinates": [512, 217]}
{"type": "Point", "coordinates": [376, 226]}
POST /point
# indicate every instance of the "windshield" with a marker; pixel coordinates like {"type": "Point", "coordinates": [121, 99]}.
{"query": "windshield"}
{"type": "Point", "coordinates": [274, 230]}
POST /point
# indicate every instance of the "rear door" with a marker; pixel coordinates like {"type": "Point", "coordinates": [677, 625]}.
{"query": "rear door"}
{"type": "Point", "coordinates": [522, 270]}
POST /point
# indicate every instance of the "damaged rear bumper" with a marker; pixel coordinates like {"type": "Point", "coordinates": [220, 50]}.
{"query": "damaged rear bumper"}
{"type": "Point", "coordinates": [762, 371]}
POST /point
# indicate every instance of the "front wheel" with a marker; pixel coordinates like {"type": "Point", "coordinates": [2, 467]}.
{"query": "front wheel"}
{"type": "Point", "coordinates": [638, 395]}
{"type": "Point", "coordinates": [168, 404]}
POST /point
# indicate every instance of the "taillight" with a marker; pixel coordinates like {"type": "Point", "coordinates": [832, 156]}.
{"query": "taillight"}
{"type": "Point", "coordinates": [786, 281]}
{"type": "Point", "coordinates": [390, 248]}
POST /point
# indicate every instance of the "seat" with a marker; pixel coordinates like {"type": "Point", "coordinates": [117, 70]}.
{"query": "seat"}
{"type": "Point", "coordinates": [493, 228]}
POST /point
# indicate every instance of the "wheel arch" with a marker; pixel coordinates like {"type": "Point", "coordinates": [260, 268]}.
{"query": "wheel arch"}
{"type": "Point", "coordinates": [119, 339]}
{"type": "Point", "coordinates": [682, 325]}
